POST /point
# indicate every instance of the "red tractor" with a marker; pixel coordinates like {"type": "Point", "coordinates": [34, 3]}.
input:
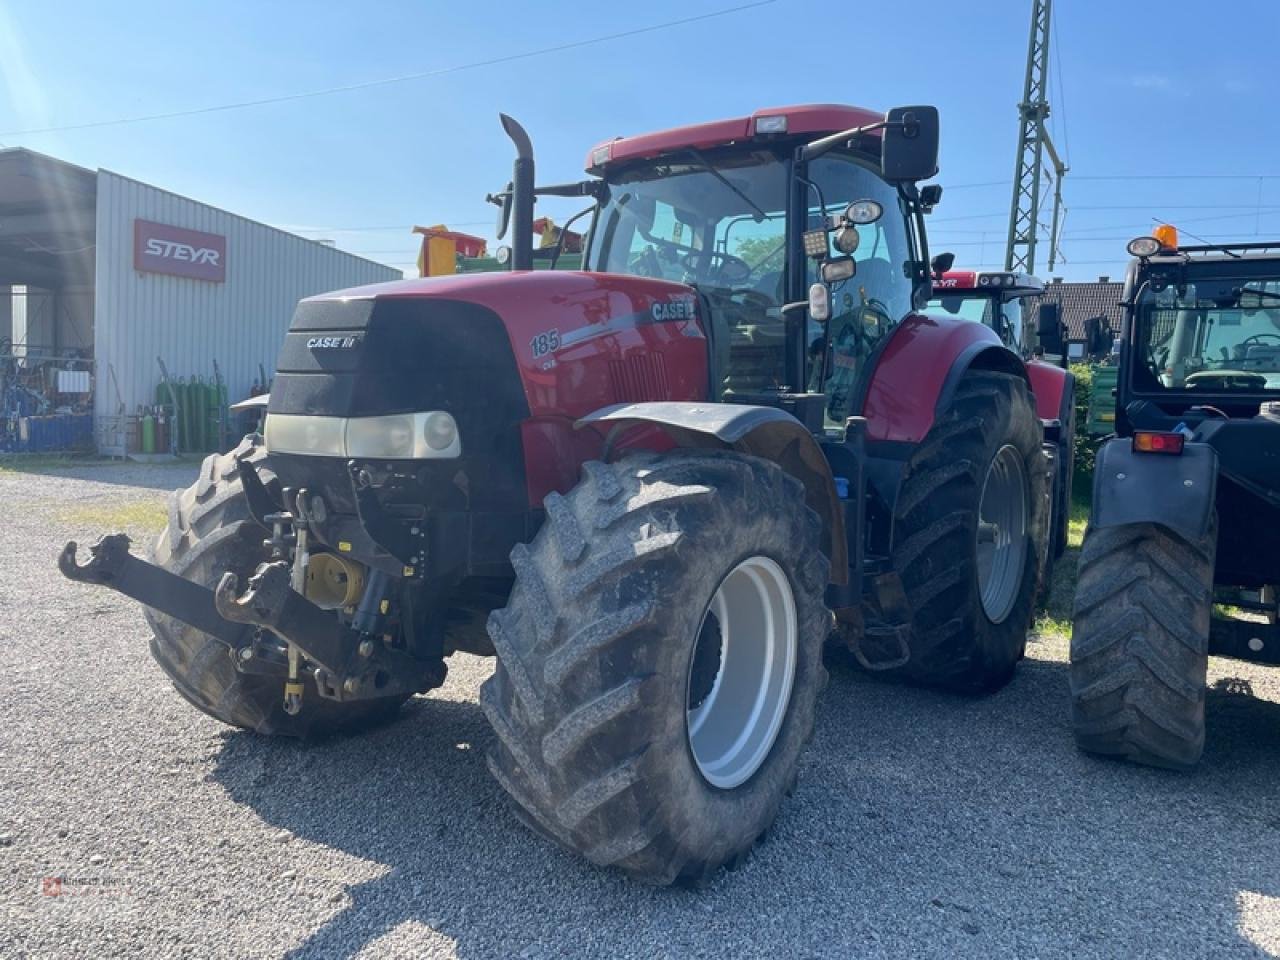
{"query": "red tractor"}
{"type": "Point", "coordinates": [661, 482]}
{"type": "Point", "coordinates": [1002, 300]}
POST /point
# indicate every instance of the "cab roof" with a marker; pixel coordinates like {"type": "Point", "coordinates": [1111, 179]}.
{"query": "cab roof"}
{"type": "Point", "coordinates": [808, 120]}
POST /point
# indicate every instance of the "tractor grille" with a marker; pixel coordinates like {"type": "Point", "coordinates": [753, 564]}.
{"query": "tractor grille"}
{"type": "Point", "coordinates": [640, 377]}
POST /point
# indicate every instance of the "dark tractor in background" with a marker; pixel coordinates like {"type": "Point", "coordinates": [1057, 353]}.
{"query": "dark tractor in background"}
{"type": "Point", "coordinates": [1182, 554]}
{"type": "Point", "coordinates": [661, 484]}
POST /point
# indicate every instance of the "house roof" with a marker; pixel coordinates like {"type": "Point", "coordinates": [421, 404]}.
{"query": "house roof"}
{"type": "Point", "coordinates": [1080, 301]}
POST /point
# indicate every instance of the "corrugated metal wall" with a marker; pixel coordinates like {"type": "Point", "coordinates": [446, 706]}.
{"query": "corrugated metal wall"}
{"type": "Point", "coordinates": [190, 323]}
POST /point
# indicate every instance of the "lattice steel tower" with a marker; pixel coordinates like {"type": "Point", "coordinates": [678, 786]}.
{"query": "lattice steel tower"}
{"type": "Point", "coordinates": [1033, 142]}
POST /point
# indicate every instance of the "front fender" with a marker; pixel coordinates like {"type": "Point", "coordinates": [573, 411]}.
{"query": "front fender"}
{"type": "Point", "coordinates": [919, 369]}
{"type": "Point", "coordinates": [765, 432]}
{"type": "Point", "coordinates": [1174, 491]}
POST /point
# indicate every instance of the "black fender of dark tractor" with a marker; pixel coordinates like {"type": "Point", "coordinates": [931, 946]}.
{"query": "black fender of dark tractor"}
{"type": "Point", "coordinates": [1174, 491]}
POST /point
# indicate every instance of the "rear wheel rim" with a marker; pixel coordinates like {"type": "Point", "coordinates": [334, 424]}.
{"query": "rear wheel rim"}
{"type": "Point", "coordinates": [1001, 539]}
{"type": "Point", "coordinates": [734, 716]}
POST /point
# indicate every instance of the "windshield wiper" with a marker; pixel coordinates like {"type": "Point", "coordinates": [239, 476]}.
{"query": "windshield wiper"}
{"type": "Point", "coordinates": [697, 155]}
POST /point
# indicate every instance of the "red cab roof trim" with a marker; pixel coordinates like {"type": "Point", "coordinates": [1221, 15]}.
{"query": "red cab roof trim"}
{"type": "Point", "coordinates": [808, 119]}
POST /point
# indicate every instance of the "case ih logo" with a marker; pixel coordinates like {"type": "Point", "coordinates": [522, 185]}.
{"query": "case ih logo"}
{"type": "Point", "coordinates": [333, 343]}
{"type": "Point", "coordinates": [683, 308]}
{"type": "Point", "coordinates": [161, 248]}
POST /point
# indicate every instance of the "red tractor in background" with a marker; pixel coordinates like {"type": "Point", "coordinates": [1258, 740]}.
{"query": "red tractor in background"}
{"type": "Point", "coordinates": [1001, 300]}
{"type": "Point", "coordinates": [662, 483]}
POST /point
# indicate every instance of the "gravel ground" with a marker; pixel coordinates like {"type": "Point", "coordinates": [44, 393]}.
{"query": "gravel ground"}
{"type": "Point", "coordinates": [924, 825]}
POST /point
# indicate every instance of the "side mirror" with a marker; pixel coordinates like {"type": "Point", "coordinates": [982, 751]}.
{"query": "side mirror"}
{"type": "Point", "coordinates": [503, 200]}
{"type": "Point", "coordinates": [1049, 330]}
{"type": "Point", "coordinates": [929, 196]}
{"type": "Point", "coordinates": [909, 144]}
{"type": "Point", "coordinates": [942, 263]}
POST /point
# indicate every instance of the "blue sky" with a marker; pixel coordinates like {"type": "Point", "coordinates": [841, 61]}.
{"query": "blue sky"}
{"type": "Point", "coordinates": [1150, 92]}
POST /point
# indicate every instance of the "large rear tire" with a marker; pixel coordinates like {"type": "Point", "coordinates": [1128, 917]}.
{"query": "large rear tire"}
{"type": "Point", "coordinates": [659, 660]}
{"type": "Point", "coordinates": [1139, 646]}
{"type": "Point", "coordinates": [969, 532]}
{"type": "Point", "coordinates": [210, 532]}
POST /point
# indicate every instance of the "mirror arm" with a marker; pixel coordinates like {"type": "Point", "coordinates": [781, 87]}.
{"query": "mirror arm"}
{"type": "Point", "coordinates": [583, 188]}
{"type": "Point", "coordinates": [811, 151]}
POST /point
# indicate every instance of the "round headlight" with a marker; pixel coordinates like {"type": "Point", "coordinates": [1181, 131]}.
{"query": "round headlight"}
{"type": "Point", "coordinates": [1143, 247]}
{"type": "Point", "coordinates": [440, 430]}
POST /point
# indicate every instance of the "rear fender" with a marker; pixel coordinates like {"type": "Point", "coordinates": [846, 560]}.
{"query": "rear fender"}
{"type": "Point", "coordinates": [1174, 492]}
{"type": "Point", "coordinates": [1054, 392]}
{"type": "Point", "coordinates": [765, 432]}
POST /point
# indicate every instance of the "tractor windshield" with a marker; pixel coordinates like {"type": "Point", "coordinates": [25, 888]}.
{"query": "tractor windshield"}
{"type": "Point", "coordinates": [1213, 335]}
{"type": "Point", "coordinates": [717, 221]}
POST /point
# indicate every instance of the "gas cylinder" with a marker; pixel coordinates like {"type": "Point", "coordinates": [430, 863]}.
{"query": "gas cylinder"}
{"type": "Point", "coordinates": [148, 432]}
{"type": "Point", "coordinates": [162, 430]}
{"type": "Point", "coordinates": [200, 415]}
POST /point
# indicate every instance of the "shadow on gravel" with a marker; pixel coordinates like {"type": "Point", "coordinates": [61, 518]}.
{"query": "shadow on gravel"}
{"type": "Point", "coordinates": [923, 824]}
{"type": "Point", "coordinates": [126, 473]}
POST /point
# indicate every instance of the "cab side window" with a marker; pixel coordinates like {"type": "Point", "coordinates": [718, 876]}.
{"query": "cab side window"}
{"type": "Point", "coordinates": [865, 308]}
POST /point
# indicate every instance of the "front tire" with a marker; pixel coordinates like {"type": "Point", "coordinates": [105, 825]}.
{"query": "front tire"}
{"type": "Point", "coordinates": [1140, 642]}
{"type": "Point", "coordinates": [618, 702]}
{"type": "Point", "coordinates": [969, 531]}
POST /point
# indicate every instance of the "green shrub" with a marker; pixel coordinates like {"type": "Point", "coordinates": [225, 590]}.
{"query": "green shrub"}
{"type": "Point", "coordinates": [1086, 447]}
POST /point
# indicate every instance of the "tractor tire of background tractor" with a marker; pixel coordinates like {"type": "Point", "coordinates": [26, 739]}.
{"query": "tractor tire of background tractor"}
{"type": "Point", "coordinates": [969, 623]}
{"type": "Point", "coordinates": [1065, 465]}
{"type": "Point", "coordinates": [610, 661]}
{"type": "Point", "coordinates": [1139, 646]}
{"type": "Point", "coordinates": [210, 531]}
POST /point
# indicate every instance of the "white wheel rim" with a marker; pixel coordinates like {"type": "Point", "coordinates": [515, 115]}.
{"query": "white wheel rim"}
{"type": "Point", "coordinates": [1001, 546]}
{"type": "Point", "coordinates": [733, 725]}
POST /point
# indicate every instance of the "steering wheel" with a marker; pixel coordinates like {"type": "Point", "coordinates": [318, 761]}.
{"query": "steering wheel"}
{"type": "Point", "coordinates": [730, 270]}
{"type": "Point", "coordinates": [1259, 337]}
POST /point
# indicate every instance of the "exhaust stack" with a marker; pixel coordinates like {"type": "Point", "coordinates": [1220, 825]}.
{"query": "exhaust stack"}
{"type": "Point", "coordinates": [522, 180]}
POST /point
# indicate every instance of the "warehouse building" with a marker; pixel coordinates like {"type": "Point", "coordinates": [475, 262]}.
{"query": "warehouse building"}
{"type": "Point", "coordinates": [103, 279]}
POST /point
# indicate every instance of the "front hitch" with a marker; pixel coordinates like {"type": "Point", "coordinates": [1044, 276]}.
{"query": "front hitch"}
{"type": "Point", "coordinates": [271, 602]}
{"type": "Point", "coordinates": [111, 565]}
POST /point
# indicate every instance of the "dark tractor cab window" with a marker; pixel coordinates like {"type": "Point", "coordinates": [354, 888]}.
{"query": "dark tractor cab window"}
{"type": "Point", "coordinates": [867, 307]}
{"type": "Point", "coordinates": [1210, 335]}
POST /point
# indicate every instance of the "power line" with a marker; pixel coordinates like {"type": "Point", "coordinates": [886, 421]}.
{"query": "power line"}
{"type": "Point", "coordinates": [387, 81]}
{"type": "Point", "coordinates": [1062, 96]}
{"type": "Point", "coordinates": [404, 229]}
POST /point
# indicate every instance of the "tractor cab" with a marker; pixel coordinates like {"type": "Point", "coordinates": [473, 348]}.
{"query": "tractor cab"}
{"type": "Point", "coordinates": [1000, 300]}
{"type": "Point", "coordinates": [752, 214]}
